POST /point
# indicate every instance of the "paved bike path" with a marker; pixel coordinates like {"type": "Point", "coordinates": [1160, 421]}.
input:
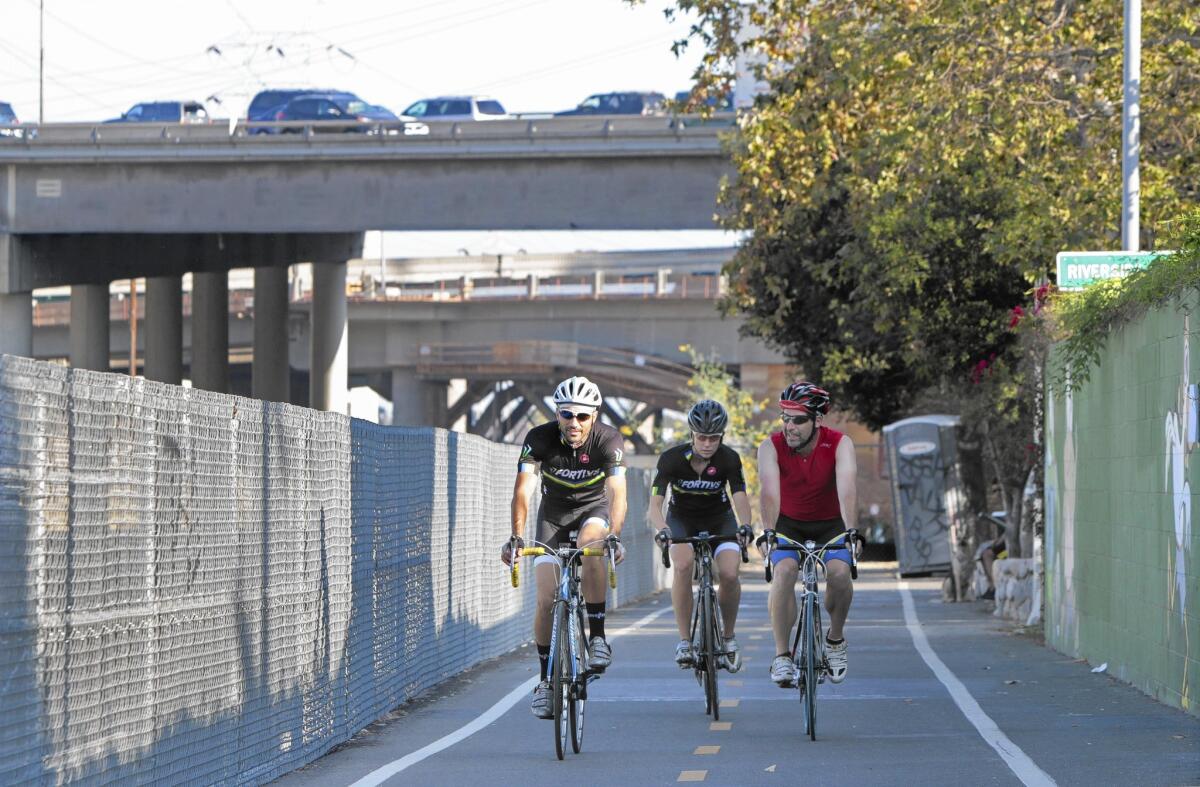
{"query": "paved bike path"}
{"type": "Point", "coordinates": [893, 721]}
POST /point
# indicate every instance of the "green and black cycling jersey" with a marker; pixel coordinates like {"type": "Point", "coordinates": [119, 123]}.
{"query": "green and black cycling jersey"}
{"type": "Point", "coordinates": [700, 494]}
{"type": "Point", "coordinates": [572, 477]}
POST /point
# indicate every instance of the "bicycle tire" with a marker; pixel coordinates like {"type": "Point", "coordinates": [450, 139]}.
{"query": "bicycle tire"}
{"type": "Point", "coordinates": [810, 667]}
{"type": "Point", "coordinates": [560, 678]}
{"type": "Point", "coordinates": [578, 686]}
{"type": "Point", "coordinates": [711, 697]}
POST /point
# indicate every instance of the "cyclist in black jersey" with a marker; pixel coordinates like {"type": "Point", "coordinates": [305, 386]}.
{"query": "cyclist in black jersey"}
{"type": "Point", "coordinates": [583, 489]}
{"type": "Point", "coordinates": [698, 475]}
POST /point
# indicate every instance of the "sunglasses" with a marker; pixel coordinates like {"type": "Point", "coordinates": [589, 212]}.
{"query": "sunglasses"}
{"type": "Point", "coordinates": [795, 419]}
{"type": "Point", "coordinates": [567, 415]}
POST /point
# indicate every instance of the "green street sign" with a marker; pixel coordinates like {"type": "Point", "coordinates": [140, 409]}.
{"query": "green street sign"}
{"type": "Point", "coordinates": [1078, 269]}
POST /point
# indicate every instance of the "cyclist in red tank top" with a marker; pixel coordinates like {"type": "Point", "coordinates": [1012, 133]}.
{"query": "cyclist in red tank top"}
{"type": "Point", "coordinates": [808, 474]}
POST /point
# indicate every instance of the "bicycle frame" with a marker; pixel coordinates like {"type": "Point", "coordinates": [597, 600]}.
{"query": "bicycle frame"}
{"type": "Point", "coordinates": [707, 628]}
{"type": "Point", "coordinates": [568, 610]}
{"type": "Point", "coordinates": [808, 644]}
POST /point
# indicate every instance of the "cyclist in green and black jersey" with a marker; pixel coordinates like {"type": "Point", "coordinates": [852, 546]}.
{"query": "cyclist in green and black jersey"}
{"type": "Point", "coordinates": [583, 489]}
{"type": "Point", "coordinates": [702, 477]}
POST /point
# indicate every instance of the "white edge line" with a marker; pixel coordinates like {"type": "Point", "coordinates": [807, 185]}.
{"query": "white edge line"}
{"type": "Point", "coordinates": [1021, 765]}
{"type": "Point", "coordinates": [385, 772]}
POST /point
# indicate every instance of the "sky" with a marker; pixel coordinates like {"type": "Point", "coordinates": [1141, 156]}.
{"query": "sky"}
{"type": "Point", "coordinates": [103, 56]}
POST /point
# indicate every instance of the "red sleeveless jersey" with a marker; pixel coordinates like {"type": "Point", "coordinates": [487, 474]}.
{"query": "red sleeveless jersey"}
{"type": "Point", "coordinates": [808, 484]}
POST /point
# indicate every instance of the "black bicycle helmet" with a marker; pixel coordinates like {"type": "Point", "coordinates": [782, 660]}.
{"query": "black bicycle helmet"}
{"type": "Point", "coordinates": [708, 417]}
{"type": "Point", "coordinates": [805, 396]}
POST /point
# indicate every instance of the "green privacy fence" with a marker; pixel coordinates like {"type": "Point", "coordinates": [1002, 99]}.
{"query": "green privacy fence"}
{"type": "Point", "coordinates": [1122, 471]}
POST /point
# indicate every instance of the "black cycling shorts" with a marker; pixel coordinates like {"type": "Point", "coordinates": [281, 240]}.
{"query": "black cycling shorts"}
{"type": "Point", "coordinates": [821, 530]}
{"type": "Point", "coordinates": [555, 528]}
{"type": "Point", "coordinates": [723, 524]}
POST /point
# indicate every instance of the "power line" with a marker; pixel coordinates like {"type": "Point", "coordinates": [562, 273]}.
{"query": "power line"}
{"type": "Point", "coordinates": [558, 67]}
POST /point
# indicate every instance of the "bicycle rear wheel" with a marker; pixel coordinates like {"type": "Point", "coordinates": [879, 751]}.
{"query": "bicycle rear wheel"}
{"type": "Point", "coordinates": [560, 678]}
{"type": "Point", "coordinates": [578, 693]}
{"type": "Point", "coordinates": [712, 699]}
{"type": "Point", "coordinates": [809, 671]}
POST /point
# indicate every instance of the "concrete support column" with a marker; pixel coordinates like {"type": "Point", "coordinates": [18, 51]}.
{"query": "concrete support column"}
{"type": "Point", "coordinates": [269, 374]}
{"type": "Point", "coordinates": [164, 329]}
{"type": "Point", "coordinates": [456, 389]}
{"type": "Point", "coordinates": [329, 371]}
{"type": "Point", "coordinates": [210, 331]}
{"type": "Point", "coordinates": [417, 402]}
{"type": "Point", "coordinates": [660, 282]}
{"type": "Point", "coordinates": [16, 324]}
{"type": "Point", "coordinates": [89, 327]}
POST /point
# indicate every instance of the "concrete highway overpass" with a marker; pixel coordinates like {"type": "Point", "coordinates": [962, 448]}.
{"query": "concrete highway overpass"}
{"type": "Point", "coordinates": [87, 205]}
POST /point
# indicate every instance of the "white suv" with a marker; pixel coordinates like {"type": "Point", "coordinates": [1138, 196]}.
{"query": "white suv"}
{"type": "Point", "coordinates": [458, 108]}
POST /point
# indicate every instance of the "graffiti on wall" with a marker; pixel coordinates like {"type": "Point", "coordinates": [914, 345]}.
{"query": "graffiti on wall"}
{"type": "Point", "coordinates": [1180, 432]}
{"type": "Point", "coordinates": [921, 484]}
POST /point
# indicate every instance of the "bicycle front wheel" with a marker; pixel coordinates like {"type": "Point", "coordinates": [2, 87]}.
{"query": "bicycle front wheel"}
{"type": "Point", "coordinates": [578, 695]}
{"type": "Point", "coordinates": [560, 678]}
{"type": "Point", "coordinates": [808, 673]}
{"type": "Point", "coordinates": [712, 699]}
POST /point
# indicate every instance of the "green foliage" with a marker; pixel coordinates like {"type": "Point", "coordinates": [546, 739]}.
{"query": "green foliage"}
{"type": "Point", "coordinates": [916, 165]}
{"type": "Point", "coordinates": [747, 424]}
{"type": "Point", "coordinates": [1087, 318]}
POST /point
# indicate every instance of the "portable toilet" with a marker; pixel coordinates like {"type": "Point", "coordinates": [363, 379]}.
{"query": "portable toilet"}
{"type": "Point", "coordinates": [922, 454]}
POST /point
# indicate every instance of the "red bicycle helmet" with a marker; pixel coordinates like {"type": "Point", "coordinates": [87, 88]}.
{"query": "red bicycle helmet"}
{"type": "Point", "coordinates": [804, 395]}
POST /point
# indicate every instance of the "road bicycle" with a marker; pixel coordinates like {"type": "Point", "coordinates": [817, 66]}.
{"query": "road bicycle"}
{"type": "Point", "coordinates": [808, 644]}
{"type": "Point", "coordinates": [569, 651]}
{"type": "Point", "coordinates": [708, 629]}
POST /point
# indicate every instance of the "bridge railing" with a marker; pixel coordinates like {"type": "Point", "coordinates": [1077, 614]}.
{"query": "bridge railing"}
{"type": "Point", "coordinates": [224, 131]}
{"type": "Point", "coordinates": [662, 284]}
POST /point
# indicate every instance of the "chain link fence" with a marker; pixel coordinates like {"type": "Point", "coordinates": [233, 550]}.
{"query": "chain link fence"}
{"type": "Point", "coordinates": [198, 588]}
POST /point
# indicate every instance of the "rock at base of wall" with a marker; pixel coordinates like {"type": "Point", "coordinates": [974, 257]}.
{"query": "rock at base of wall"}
{"type": "Point", "coordinates": [1015, 579]}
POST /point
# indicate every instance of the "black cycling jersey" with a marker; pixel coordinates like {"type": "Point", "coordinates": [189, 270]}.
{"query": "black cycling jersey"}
{"type": "Point", "coordinates": [699, 494]}
{"type": "Point", "coordinates": [573, 477]}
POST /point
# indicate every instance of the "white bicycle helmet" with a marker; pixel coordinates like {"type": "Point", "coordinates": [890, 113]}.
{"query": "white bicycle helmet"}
{"type": "Point", "coordinates": [577, 390]}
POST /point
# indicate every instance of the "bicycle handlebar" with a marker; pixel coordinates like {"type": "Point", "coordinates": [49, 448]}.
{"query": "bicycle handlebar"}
{"type": "Point", "coordinates": [848, 541]}
{"type": "Point", "coordinates": [563, 552]}
{"type": "Point", "coordinates": [665, 540]}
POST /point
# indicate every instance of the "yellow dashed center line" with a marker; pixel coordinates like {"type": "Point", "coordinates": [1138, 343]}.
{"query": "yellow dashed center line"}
{"type": "Point", "coordinates": [718, 726]}
{"type": "Point", "coordinates": [707, 750]}
{"type": "Point", "coordinates": [756, 636]}
{"type": "Point", "coordinates": [730, 703]}
{"type": "Point", "coordinates": [691, 776]}
{"type": "Point", "coordinates": [733, 682]}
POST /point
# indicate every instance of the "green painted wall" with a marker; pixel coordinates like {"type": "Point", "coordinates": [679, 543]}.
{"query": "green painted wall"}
{"type": "Point", "coordinates": [1122, 476]}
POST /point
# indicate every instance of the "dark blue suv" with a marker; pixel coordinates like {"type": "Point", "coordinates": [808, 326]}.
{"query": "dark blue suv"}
{"type": "Point", "coordinates": [618, 104]}
{"type": "Point", "coordinates": [333, 113]}
{"type": "Point", "coordinates": [267, 103]}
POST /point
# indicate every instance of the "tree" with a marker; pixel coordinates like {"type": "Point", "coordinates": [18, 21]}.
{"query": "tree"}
{"type": "Point", "coordinates": [914, 168]}
{"type": "Point", "coordinates": [747, 425]}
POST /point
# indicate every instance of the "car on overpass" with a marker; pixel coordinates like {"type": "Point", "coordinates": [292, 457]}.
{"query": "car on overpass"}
{"type": "Point", "coordinates": [332, 113]}
{"type": "Point", "coordinates": [457, 109]}
{"type": "Point", "coordinates": [8, 121]}
{"type": "Point", "coordinates": [266, 103]}
{"type": "Point", "coordinates": [622, 103]}
{"type": "Point", "coordinates": [164, 112]}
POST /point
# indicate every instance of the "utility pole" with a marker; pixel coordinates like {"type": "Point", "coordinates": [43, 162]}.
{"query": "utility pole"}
{"type": "Point", "coordinates": [41, 62]}
{"type": "Point", "coordinates": [1131, 128]}
{"type": "Point", "coordinates": [133, 321]}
